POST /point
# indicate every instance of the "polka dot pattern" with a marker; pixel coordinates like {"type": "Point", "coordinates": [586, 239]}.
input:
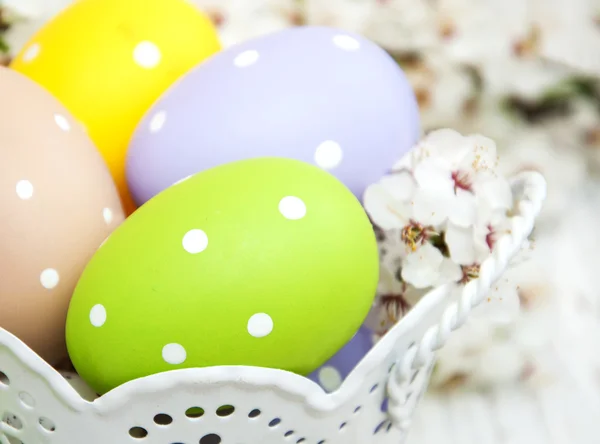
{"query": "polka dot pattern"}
{"type": "Point", "coordinates": [32, 52]}
{"type": "Point", "coordinates": [49, 278]}
{"type": "Point", "coordinates": [260, 325]}
{"type": "Point", "coordinates": [195, 241]}
{"type": "Point", "coordinates": [108, 215]}
{"type": "Point", "coordinates": [98, 315]}
{"type": "Point", "coordinates": [292, 207]}
{"type": "Point", "coordinates": [246, 59]}
{"type": "Point", "coordinates": [147, 55]}
{"type": "Point", "coordinates": [62, 122]}
{"type": "Point", "coordinates": [174, 354]}
{"type": "Point", "coordinates": [24, 189]}
{"type": "Point", "coordinates": [65, 193]}
{"type": "Point", "coordinates": [328, 155]}
{"type": "Point", "coordinates": [330, 379]}
{"type": "Point", "coordinates": [246, 294]}
{"type": "Point", "coordinates": [346, 42]}
{"type": "Point", "coordinates": [158, 121]}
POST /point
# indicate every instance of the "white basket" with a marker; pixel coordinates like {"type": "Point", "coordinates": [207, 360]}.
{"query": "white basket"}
{"type": "Point", "coordinates": [263, 406]}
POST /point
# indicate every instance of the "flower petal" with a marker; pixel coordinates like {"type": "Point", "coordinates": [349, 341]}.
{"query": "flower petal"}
{"type": "Point", "coordinates": [383, 209]}
{"type": "Point", "coordinates": [482, 156]}
{"type": "Point", "coordinates": [400, 186]}
{"type": "Point", "coordinates": [434, 174]}
{"type": "Point", "coordinates": [450, 272]}
{"type": "Point", "coordinates": [463, 210]}
{"type": "Point", "coordinates": [461, 244]}
{"type": "Point", "coordinates": [430, 208]}
{"type": "Point", "coordinates": [421, 268]}
{"type": "Point", "coordinates": [445, 143]}
{"type": "Point", "coordinates": [495, 192]}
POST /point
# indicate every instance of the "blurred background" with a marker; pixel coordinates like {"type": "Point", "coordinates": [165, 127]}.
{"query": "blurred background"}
{"type": "Point", "coordinates": [525, 73]}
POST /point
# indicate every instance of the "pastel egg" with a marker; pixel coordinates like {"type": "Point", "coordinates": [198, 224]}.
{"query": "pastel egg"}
{"type": "Point", "coordinates": [332, 374]}
{"type": "Point", "coordinates": [266, 262]}
{"type": "Point", "coordinates": [107, 61]}
{"type": "Point", "coordinates": [320, 95]}
{"type": "Point", "coordinates": [57, 204]}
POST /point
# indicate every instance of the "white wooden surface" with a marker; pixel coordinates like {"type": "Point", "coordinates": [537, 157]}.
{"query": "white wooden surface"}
{"type": "Point", "coordinates": [563, 408]}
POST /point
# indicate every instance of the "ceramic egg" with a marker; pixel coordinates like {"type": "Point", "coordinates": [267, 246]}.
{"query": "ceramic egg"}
{"type": "Point", "coordinates": [331, 375]}
{"type": "Point", "coordinates": [57, 204]}
{"type": "Point", "coordinates": [107, 61]}
{"type": "Point", "coordinates": [266, 262]}
{"type": "Point", "coordinates": [320, 95]}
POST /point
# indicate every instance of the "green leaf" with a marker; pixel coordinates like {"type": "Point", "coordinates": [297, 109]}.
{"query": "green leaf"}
{"type": "Point", "coordinates": [3, 46]}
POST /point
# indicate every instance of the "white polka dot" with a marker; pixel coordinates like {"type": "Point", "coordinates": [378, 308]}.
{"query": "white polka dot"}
{"type": "Point", "coordinates": [32, 52]}
{"type": "Point", "coordinates": [98, 315]}
{"type": "Point", "coordinates": [260, 325]}
{"type": "Point", "coordinates": [49, 278]}
{"type": "Point", "coordinates": [330, 379]}
{"type": "Point", "coordinates": [158, 121]}
{"type": "Point", "coordinates": [24, 189]}
{"type": "Point", "coordinates": [346, 42]}
{"type": "Point", "coordinates": [292, 207]}
{"type": "Point", "coordinates": [174, 354]}
{"type": "Point", "coordinates": [328, 155]}
{"type": "Point", "coordinates": [195, 241]}
{"type": "Point", "coordinates": [62, 122]}
{"type": "Point", "coordinates": [246, 58]}
{"type": "Point", "coordinates": [108, 215]}
{"type": "Point", "coordinates": [147, 55]}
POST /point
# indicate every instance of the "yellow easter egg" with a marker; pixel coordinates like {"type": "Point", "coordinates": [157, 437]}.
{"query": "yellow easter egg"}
{"type": "Point", "coordinates": [107, 61]}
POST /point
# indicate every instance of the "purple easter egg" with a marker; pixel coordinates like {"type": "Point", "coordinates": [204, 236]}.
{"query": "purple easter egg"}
{"type": "Point", "coordinates": [331, 374]}
{"type": "Point", "coordinates": [315, 94]}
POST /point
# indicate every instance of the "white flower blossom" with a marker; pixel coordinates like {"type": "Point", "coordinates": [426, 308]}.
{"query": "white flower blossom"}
{"type": "Point", "coordinates": [456, 177]}
{"type": "Point", "coordinates": [447, 205]}
{"type": "Point", "coordinates": [427, 267]}
{"type": "Point", "coordinates": [394, 299]}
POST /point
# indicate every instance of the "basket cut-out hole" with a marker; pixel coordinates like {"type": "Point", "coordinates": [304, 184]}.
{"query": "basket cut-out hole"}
{"type": "Point", "coordinates": [389, 427]}
{"type": "Point", "coordinates": [289, 433]}
{"type": "Point", "coordinates": [254, 413]}
{"type": "Point", "coordinates": [321, 442]}
{"type": "Point", "coordinates": [138, 432]}
{"type": "Point", "coordinates": [357, 409]}
{"type": "Point", "coordinates": [194, 412]}
{"type": "Point", "coordinates": [210, 439]}
{"type": "Point", "coordinates": [225, 410]}
{"type": "Point", "coordinates": [379, 427]}
{"type": "Point", "coordinates": [4, 380]}
{"type": "Point", "coordinates": [12, 420]}
{"type": "Point", "coordinates": [27, 400]}
{"type": "Point", "coordinates": [275, 422]}
{"type": "Point", "coordinates": [163, 419]}
{"type": "Point", "coordinates": [47, 424]}
{"type": "Point", "coordinates": [343, 426]}
{"type": "Point", "coordinates": [301, 440]}
{"type": "Point", "coordinates": [384, 406]}
{"type": "Point", "coordinates": [374, 388]}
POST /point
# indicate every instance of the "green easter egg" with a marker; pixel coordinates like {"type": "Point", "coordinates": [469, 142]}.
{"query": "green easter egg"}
{"type": "Point", "coordinates": [266, 262]}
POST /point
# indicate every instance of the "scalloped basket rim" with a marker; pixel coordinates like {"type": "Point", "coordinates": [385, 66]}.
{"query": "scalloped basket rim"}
{"type": "Point", "coordinates": [287, 383]}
